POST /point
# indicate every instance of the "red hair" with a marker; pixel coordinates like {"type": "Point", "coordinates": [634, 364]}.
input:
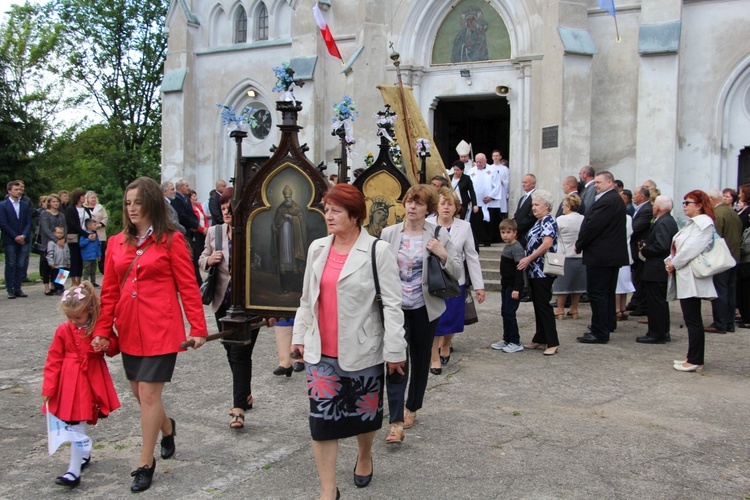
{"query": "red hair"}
{"type": "Point", "coordinates": [700, 197]}
{"type": "Point", "coordinates": [349, 198]}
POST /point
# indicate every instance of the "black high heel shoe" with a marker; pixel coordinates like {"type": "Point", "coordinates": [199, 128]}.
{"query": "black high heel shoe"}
{"type": "Point", "coordinates": [142, 477]}
{"type": "Point", "coordinates": [280, 370]}
{"type": "Point", "coordinates": [298, 366]}
{"type": "Point", "coordinates": [167, 443]}
{"type": "Point", "coordinates": [65, 480]}
{"type": "Point", "coordinates": [363, 481]}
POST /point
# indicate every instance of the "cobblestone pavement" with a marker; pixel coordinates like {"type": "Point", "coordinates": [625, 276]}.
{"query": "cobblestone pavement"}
{"type": "Point", "coordinates": [594, 421]}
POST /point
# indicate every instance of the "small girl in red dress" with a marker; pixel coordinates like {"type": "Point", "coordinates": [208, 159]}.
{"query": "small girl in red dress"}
{"type": "Point", "coordinates": [77, 385]}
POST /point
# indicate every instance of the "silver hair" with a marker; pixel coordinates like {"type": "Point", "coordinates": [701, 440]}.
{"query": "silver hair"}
{"type": "Point", "coordinates": [665, 202]}
{"type": "Point", "coordinates": [165, 185]}
{"type": "Point", "coordinates": [714, 194]}
{"type": "Point", "coordinates": [544, 197]}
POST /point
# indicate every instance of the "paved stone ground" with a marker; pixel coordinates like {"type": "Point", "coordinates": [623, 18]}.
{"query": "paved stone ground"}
{"type": "Point", "coordinates": [594, 421]}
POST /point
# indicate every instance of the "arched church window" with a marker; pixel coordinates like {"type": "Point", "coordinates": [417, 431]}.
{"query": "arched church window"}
{"type": "Point", "coordinates": [262, 126]}
{"type": "Point", "coordinates": [240, 26]}
{"type": "Point", "coordinates": [473, 31]}
{"type": "Point", "coordinates": [261, 32]}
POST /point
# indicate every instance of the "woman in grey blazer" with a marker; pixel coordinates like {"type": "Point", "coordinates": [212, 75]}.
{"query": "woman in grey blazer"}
{"type": "Point", "coordinates": [345, 336]}
{"type": "Point", "coordinates": [462, 238]}
{"type": "Point", "coordinates": [240, 357]}
{"type": "Point", "coordinates": [411, 242]}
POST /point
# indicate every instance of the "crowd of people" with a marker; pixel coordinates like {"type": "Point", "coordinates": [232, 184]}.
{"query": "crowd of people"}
{"type": "Point", "coordinates": [367, 328]}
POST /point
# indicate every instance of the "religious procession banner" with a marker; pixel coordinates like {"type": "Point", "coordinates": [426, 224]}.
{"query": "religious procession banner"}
{"type": "Point", "coordinates": [418, 129]}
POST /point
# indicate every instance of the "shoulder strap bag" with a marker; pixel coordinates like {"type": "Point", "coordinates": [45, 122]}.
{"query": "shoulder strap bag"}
{"type": "Point", "coordinates": [439, 283]}
{"type": "Point", "coordinates": [378, 297]}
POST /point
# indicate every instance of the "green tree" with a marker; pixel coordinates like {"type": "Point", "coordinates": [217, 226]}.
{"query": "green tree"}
{"type": "Point", "coordinates": [114, 51]}
{"type": "Point", "coordinates": [30, 93]}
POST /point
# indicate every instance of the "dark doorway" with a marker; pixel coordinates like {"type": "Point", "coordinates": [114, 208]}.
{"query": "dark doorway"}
{"type": "Point", "coordinates": [743, 166]}
{"type": "Point", "coordinates": [484, 122]}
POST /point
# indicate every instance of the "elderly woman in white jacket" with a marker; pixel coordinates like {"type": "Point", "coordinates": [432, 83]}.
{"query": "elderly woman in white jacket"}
{"type": "Point", "coordinates": [345, 336]}
{"type": "Point", "coordinates": [687, 244]}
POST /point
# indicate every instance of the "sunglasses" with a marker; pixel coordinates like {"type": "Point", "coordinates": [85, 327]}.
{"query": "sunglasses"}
{"type": "Point", "coordinates": [687, 202]}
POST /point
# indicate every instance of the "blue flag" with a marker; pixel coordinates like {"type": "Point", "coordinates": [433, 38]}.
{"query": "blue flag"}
{"type": "Point", "coordinates": [608, 5]}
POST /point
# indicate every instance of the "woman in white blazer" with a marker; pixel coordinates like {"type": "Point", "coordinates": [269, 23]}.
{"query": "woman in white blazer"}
{"type": "Point", "coordinates": [462, 238]}
{"type": "Point", "coordinates": [240, 357]}
{"type": "Point", "coordinates": [687, 244]}
{"type": "Point", "coordinates": [344, 339]}
{"type": "Point", "coordinates": [411, 242]}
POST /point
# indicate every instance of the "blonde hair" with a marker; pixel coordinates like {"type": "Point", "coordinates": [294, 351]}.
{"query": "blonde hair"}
{"type": "Point", "coordinates": [82, 297]}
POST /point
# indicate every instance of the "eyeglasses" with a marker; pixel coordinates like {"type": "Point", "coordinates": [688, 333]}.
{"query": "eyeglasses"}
{"type": "Point", "coordinates": [688, 202]}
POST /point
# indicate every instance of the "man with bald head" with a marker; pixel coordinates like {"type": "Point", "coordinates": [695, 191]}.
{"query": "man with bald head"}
{"type": "Point", "coordinates": [655, 248]}
{"type": "Point", "coordinates": [570, 186]}
{"type": "Point", "coordinates": [603, 241]}
{"type": "Point", "coordinates": [729, 226]}
{"type": "Point", "coordinates": [481, 178]}
{"type": "Point", "coordinates": [524, 217]}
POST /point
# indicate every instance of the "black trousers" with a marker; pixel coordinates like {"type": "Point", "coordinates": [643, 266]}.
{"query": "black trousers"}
{"type": "Point", "coordinates": [480, 228]}
{"type": "Point", "coordinates": [743, 291]}
{"type": "Point", "coordinates": [420, 332]}
{"type": "Point", "coordinates": [240, 358]}
{"type": "Point", "coordinates": [691, 313]}
{"type": "Point", "coordinates": [197, 243]}
{"type": "Point", "coordinates": [601, 285]}
{"type": "Point", "coordinates": [493, 230]}
{"type": "Point", "coordinates": [546, 328]}
{"type": "Point", "coordinates": [724, 305]}
{"type": "Point", "coordinates": [638, 302]}
{"type": "Point", "coordinates": [655, 293]}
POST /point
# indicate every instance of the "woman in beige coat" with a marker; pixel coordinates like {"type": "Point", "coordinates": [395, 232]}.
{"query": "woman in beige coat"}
{"type": "Point", "coordinates": [344, 335]}
{"type": "Point", "coordinates": [240, 356]}
{"type": "Point", "coordinates": [687, 244]}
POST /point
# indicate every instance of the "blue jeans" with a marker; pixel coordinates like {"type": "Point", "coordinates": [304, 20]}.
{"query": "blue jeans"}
{"type": "Point", "coordinates": [16, 261]}
{"type": "Point", "coordinates": [508, 308]}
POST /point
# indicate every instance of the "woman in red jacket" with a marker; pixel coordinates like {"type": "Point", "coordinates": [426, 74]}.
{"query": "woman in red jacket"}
{"type": "Point", "coordinates": [147, 264]}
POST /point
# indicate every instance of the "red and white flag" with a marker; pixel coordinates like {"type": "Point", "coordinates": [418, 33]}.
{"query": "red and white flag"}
{"type": "Point", "coordinates": [326, 32]}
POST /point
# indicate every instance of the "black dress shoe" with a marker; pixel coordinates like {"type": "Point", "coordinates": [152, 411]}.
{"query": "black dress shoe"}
{"type": "Point", "coordinates": [167, 443]}
{"type": "Point", "coordinates": [362, 481]}
{"type": "Point", "coordinates": [436, 371]}
{"type": "Point", "coordinates": [280, 370]}
{"type": "Point", "coordinates": [444, 360]}
{"type": "Point", "coordinates": [591, 339]}
{"type": "Point", "coordinates": [142, 478]}
{"type": "Point", "coordinates": [298, 367]}
{"type": "Point", "coordinates": [11, 295]}
{"type": "Point", "coordinates": [65, 480]}
{"type": "Point", "coordinates": [19, 293]}
{"type": "Point", "coordinates": [85, 461]}
{"type": "Point", "coordinates": [647, 339]}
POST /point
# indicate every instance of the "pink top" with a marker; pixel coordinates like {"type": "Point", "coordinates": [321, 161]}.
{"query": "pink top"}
{"type": "Point", "coordinates": [328, 310]}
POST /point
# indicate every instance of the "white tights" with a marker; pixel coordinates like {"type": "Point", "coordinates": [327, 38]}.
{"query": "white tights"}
{"type": "Point", "coordinates": [76, 454]}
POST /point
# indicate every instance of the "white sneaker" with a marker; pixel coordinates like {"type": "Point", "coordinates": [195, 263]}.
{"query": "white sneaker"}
{"type": "Point", "coordinates": [513, 348]}
{"type": "Point", "coordinates": [499, 346]}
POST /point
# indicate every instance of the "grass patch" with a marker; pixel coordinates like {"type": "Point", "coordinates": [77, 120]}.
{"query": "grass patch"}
{"type": "Point", "coordinates": [266, 467]}
{"type": "Point", "coordinates": [516, 413]}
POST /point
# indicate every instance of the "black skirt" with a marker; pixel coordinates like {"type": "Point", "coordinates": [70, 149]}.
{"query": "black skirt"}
{"type": "Point", "coordinates": [342, 403]}
{"type": "Point", "coordinates": [149, 368]}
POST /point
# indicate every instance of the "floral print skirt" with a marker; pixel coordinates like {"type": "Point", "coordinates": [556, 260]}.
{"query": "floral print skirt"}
{"type": "Point", "coordinates": [342, 403]}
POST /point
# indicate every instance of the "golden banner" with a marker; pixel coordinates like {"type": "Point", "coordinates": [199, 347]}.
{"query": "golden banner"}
{"type": "Point", "coordinates": [418, 129]}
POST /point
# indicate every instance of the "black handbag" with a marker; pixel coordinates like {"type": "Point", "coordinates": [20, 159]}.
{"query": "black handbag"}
{"type": "Point", "coordinates": [208, 287]}
{"type": "Point", "coordinates": [439, 283]}
{"type": "Point", "coordinates": [36, 244]}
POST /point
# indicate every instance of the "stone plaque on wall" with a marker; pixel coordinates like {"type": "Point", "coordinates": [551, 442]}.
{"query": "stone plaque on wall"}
{"type": "Point", "coordinates": [549, 137]}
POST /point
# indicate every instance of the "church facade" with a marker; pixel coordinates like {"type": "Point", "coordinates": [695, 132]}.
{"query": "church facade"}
{"type": "Point", "coordinates": [552, 84]}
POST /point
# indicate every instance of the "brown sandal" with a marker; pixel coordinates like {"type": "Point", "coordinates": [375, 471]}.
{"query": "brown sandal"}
{"type": "Point", "coordinates": [238, 420]}
{"type": "Point", "coordinates": [396, 435]}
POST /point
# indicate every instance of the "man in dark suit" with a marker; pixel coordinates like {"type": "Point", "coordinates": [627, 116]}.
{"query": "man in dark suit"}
{"type": "Point", "coordinates": [184, 207]}
{"type": "Point", "coordinates": [603, 241]}
{"type": "Point", "coordinates": [655, 248]}
{"type": "Point", "coordinates": [524, 217]}
{"type": "Point", "coordinates": [729, 226]}
{"type": "Point", "coordinates": [586, 174]}
{"type": "Point", "coordinates": [641, 225]}
{"type": "Point", "coordinates": [213, 203]}
{"type": "Point", "coordinates": [570, 186]}
{"type": "Point", "coordinates": [15, 223]}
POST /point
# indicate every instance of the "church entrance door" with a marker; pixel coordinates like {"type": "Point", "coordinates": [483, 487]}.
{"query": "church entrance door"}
{"type": "Point", "coordinates": [484, 122]}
